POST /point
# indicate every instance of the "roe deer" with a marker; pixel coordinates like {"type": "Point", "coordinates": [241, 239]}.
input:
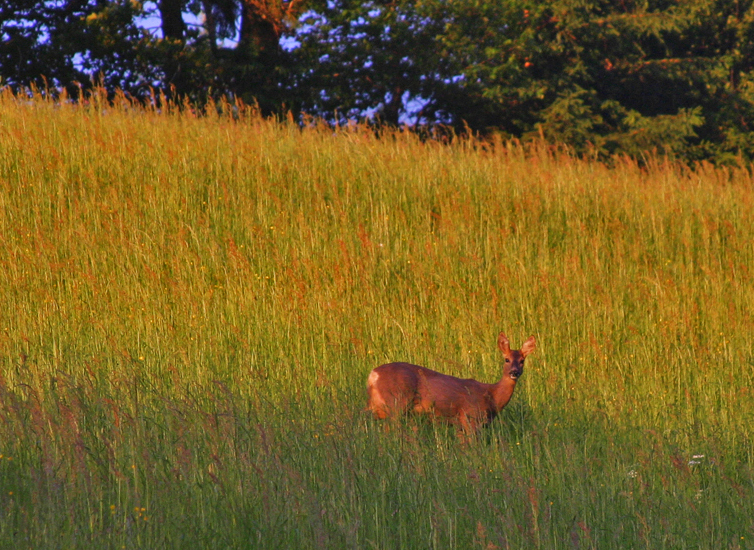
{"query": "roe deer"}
{"type": "Point", "coordinates": [399, 388]}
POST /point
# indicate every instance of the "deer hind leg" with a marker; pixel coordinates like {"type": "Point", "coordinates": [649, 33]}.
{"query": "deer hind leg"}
{"type": "Point", "coordinates": [376, 402]}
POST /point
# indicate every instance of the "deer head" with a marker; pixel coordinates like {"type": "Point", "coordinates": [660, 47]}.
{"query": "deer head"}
{"type": "Point", "coordinates": [514, 359]}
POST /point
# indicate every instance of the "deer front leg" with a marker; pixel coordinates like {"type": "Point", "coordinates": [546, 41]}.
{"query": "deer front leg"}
{"type": "Point", "coordinates": [468, 428]}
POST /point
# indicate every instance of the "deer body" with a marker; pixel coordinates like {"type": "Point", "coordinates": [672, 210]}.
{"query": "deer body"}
{"type": "Point", "coordinates": [400, 388]}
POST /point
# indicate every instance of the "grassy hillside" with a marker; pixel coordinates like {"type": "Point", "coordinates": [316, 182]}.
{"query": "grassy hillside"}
{"type": "Point", "coordinates": [191, 306]}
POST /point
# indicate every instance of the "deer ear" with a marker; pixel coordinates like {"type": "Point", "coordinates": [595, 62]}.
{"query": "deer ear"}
{"type": "Point", "coordinates": [528, 346]}
{"type": "Point", "coordinates": [503, 344]}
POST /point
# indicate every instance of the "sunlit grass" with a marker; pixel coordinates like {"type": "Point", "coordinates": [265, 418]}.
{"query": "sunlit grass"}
{"type": "Point", "coordinates": [191, 306]}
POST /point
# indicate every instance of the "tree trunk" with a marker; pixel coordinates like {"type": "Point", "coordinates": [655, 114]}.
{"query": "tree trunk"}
{"type": "Point", "coordinates": [210, 24]}
{"type": "Point", "coordinates": [261, 26]}
{"type": "Point", "coordinates": [172, 19]}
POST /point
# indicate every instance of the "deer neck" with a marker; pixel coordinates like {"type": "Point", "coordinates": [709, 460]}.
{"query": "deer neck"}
{"type": "Point", "coordinates": [502, 392]}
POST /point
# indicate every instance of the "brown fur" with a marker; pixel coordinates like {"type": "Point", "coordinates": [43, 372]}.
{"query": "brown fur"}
{"type": "Point", "coordinates": [400, 388]}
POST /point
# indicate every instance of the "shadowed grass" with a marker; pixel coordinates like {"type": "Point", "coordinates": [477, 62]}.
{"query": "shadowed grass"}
{"type": "Point", "coordinates": [192, 305]}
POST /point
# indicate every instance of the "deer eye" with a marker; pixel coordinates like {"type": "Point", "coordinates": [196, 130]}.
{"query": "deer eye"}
{"type": "Point", "coordinates": [507, 360]}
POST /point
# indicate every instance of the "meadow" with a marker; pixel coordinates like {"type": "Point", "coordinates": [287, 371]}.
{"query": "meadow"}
{"type": "Point", "coordinates": [191, 306]}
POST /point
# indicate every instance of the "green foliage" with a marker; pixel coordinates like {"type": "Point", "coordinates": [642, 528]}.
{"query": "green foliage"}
{"type": "Point", "coordinates": [602, 78]}
{"type": "Point", "coordinates": [192, 304]}
{"type": "Point", "coordinates": [27, 59]}
{"type": "Point", "coordinates": [362, 57]}
{"type": "Point", "coordinates": [120, 55]}
{"type": "Point", "coordinates": [571, 120]}
{"type": "Point", "coordinates": [74, 45]}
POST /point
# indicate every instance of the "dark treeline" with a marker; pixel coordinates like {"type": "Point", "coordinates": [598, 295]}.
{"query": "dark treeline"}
{"type": "Point", "coordinates": [603, 77]}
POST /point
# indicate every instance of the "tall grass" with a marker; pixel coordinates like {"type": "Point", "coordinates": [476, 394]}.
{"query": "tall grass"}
{"type": "Point", "coordinates": [191, 305]}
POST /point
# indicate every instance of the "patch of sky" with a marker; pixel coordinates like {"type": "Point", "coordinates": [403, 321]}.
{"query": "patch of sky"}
{"type": "Point", "coordinates": [290, 43]}
{"type": "Point", "coordinates": [150, 19]}
{"type": "Point", "coordinates": [79, 61]}
{"type": "Point", "coordinates": [411, 111]}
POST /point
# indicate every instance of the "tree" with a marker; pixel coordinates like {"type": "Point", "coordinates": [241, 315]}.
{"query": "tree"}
{"type": "Point", "coordinates": [601, 76]}
{"type": "Point", "coordinates": [33, 41]}
{"type": "Point", "coordinates": [367, 58]}
{"type": "Point", "coordinates": [73, 43]}
{"type": "Point", "coordinates": [257, 67]}
{"type": "Point", "coordinates": [67, 43]}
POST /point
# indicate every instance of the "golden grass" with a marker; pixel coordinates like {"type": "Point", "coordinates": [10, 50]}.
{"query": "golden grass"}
{"type": "Point", "coordinates": [171, 280]}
